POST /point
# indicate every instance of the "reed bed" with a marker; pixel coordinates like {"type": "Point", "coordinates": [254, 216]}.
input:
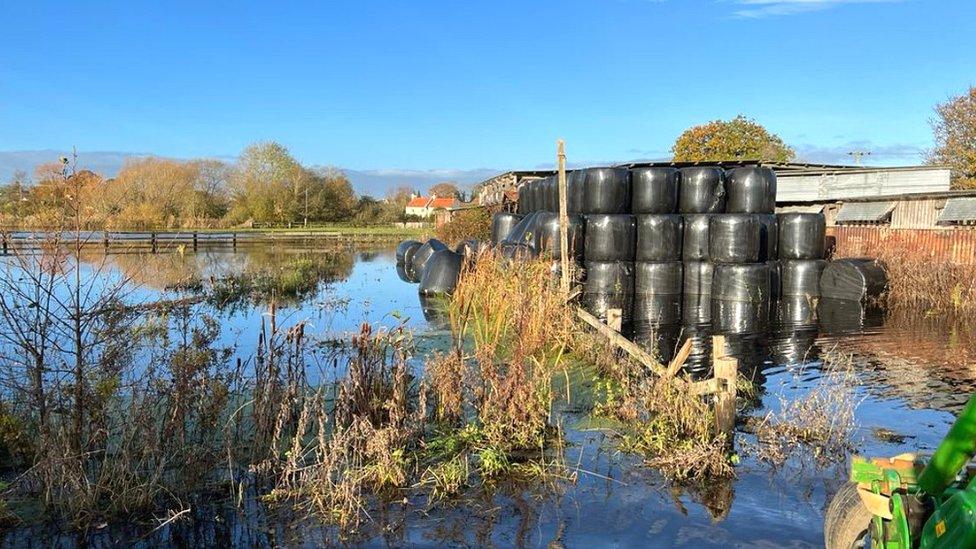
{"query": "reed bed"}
{"type": "Point", "coordinates": [917, 284]}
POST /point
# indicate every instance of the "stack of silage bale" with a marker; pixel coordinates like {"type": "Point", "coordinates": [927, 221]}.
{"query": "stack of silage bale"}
{"type": "Point", "coordinates": [658, 272]}
{"type": "Point", "coordinates": [802, 239]}
{"type": "Point", "coordinates": [741, 282]}
{"type": "Point", "coordinates": [609, 241]}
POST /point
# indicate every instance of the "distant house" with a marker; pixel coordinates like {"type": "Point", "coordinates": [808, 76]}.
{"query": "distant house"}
{"type": "Point", "coordinates": [422, 206]}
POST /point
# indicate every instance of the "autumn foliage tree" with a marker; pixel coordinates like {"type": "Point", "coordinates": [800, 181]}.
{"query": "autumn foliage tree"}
{"type": "Point", "coordinates": [738, 139]}
{"type": "Point", "coordinates": [445, 189]}
{"type": "Point", "coordinates": [955, 138]}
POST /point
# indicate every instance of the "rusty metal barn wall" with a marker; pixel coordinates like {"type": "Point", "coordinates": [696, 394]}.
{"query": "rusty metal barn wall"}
{"type": "Point", "coordinates": [916, 214]}
{"type": "Point", "coordinates": [957, 245]}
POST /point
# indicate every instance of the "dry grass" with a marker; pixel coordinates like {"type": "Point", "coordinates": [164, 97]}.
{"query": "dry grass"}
{"type": "Point", "coordinates": [917, 284]}
{"type": "Point", "coordinates": [820, 424]}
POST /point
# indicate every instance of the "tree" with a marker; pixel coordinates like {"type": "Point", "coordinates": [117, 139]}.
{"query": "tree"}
{"type": "Point", "coordinates": [738, 139]}
{"type": "Point", "coordinates": [267, 184]}
{"type": "Point", "coordinates": [445, 189]}
{"type": "Point", "coordinates": [955, 138]}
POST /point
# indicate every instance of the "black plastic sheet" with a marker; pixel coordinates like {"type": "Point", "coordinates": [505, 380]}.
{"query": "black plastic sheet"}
{"type": "Point", "coordinates": [658, 278]}
{"type": "Point", "coordinates": [502, 224]}
{"type": "Point", "coordinates": [854, 280]}
{"type": "Point", "coordinates": [552, 193]}
{"type": "Point", "coordinates": [524, 231]}
{"type": "Point", "coordinates": [548, 236]}
{"type": "Point", "coordinates": [768, 237]}
{"type": "Point", "coordinates": [415, 269]}
{"type": "Point", "coordinates": [654, 190]}
{"type": "Point", "coordinates": [659, 237]}
{"type": "Point", "coordinates": [517, 251]}
{"type": "Point", "coordinates": [801, 235]}
{"type": "Point", "coordinates": [801, 277]}
{"type": "Point", "coordinates": [609, 237]}
{"type": "Point", "coordinates": [746, 282]}
{"type": "Point", "coordinates": [524, 202]}
{"type": "Point", "coordinates": [751, 189]}
{"type": "Point", "coordinates": [697, 277]}
{"type": "Point", "coordinates": [694, 245]}
{"type": "Point", "coordinates": [606, 191]}
{"type": "Point", "coordinates": [702, 190]}
{"type": "Point", "coordinates": [733, 238]}
{"type": "Point", "coordinates": [441, 273]}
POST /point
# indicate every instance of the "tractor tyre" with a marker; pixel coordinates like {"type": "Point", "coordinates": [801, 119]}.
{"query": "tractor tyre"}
{"type": "Point", "coordinates": [847, 519]}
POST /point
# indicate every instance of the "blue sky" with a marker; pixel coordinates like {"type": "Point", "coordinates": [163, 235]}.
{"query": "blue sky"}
{"type": "Point", "coordinates": [417, 85]}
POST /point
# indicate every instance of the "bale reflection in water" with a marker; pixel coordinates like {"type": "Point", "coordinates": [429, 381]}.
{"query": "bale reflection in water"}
{"type": "Point", "coordinates": [435, 311]}
{"type": "Point", "coordinates": [845, 316]}
{"type": "Point", "coordinates": [402, 273]}
{"type": "Point", "coordinates": [740, 317]}
{"type": "Point", "coordinates": [795, 312]}
{"type": "Point", "coordinates": [660, 340]}
{"type": "Point", "coordinates": [793, 347]}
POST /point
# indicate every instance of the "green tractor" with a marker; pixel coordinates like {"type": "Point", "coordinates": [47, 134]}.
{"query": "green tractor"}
{"type": "Point", "coordinates": [904, 502]}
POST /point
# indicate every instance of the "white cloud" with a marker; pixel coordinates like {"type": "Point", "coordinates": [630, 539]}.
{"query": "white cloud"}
{"type": "Point", "coordinates": [766, 8]}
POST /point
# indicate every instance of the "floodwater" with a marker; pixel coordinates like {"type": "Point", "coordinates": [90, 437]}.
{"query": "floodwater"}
{"type": "Point", "coordinates": [911, 377]}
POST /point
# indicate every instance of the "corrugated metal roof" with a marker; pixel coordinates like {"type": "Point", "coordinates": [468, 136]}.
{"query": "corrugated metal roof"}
{"type": "Point", "coordinates": [958, 209]}
{"type": "Point", "coordinates": [840, 185]}
{"type": "Point", "coordinates": [812, 208]}
{"type": "Point", "coordinates": [864, 211]}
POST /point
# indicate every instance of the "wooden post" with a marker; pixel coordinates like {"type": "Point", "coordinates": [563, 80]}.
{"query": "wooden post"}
{"type": "Point", "coordinates": [726, 374]}
{"type": "Point", "coordinates": [234, 240]}
{"type": "Point", "coordinates": [4, 243]}
{"type": "Point", "coordinates": [105, 239]}
{"type": "Point", "coordinates": [152, 241]}
{"type": "Point", "coordinates": [563, 217]}
{"type": "Point", "coordinates": [194, 242]}
{"type": "Point", "coordinates": [615, 319]}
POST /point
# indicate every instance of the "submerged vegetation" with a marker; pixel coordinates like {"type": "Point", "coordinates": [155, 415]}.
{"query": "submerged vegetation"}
{"type": "Point", "coordinates": [918, 284]}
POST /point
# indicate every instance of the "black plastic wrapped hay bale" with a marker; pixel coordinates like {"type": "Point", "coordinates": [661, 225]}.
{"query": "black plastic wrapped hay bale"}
{"type": "Point", "coordinates": [702, 190]}
{"type": "Point", "coordinates": [609, 237]}
{"type": "Point", "coordinates": [733, 238]}
{"type": "Point", "coordinates": [415, 269]}
{"type": "Point", "coordinates": [517, 251]}
{"type": "Point", "coordinates": [502, 224]}
{"type": "Point", "coordinates": [861, 280]}
{"type": "Point", "coordinates": [746, 282]}
{"type": "Point", "coordinates": [469, 248]}
{"type": "Point", "coordinates": [694, 246]}
{"type": "Point", "coordinates": [532, 195]}
{"type": "Point", "coordinates": [609, 285]}
{"type": "Point", "coordinates": [547, 235]}
{"type": "Point", "coordinates": [656, 309]}
{"type": "Point", "coordinates": [659, 339]}
{"type": "Point", "coordinates": [606, 191]}
{"type": "Point", "coordinates": [404, 247]}
{"type": "Point", "coordinates": [524, 231]}
{"type": "Point", "coordinates": [768, 237]}
{"type": "Point", "coordinates": [697, 277]}
{"type": "Point", "coordinates": [658, 277]}
{"type": "Point", "coordinates": [739, 317]}
{"type": "Point", "coordinates": [801, 235]}
{"type": "Point", "coordinates": [441, 273]}
{"type": "Point", "coordinates": [801, 277]}
{"type": "Point", "coordinates": [775, 279]}
{"type": "Point", "coordinates": [552, 194]}
{"type": "Point", "coordinates": [574, 192]}
{"type": "Point", "coordinates": [751, 189]}
{"type": "Point", "coordinates": [524, 202]}
{"type": "Point", "coordinates": [654, 190]}
{"type": "Point", "coordinates": [659, 237]}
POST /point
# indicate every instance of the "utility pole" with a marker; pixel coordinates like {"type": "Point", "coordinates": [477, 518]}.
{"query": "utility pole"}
{"type": "Point", "coordinates": [305, 223]}
{"type": "Point", "coordinates": [858, 155]}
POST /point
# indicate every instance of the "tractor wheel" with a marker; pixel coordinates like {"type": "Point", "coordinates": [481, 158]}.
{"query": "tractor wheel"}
{"type": "Point", "coordinates": [847, 520]}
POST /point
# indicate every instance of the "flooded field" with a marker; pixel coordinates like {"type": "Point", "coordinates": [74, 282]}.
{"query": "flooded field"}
{"type": "Point", "coordinates": [910, 378]}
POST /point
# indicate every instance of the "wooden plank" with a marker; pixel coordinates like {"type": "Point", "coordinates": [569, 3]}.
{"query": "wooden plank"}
{"type": "Point", "coordinates": [617, 339]}
{"type": "Point", "coordinates": [726, 370]}
{"type": "Point", "coordinates": [563, 217]}
{"type": "Point", "coordinates": [679, 359]}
